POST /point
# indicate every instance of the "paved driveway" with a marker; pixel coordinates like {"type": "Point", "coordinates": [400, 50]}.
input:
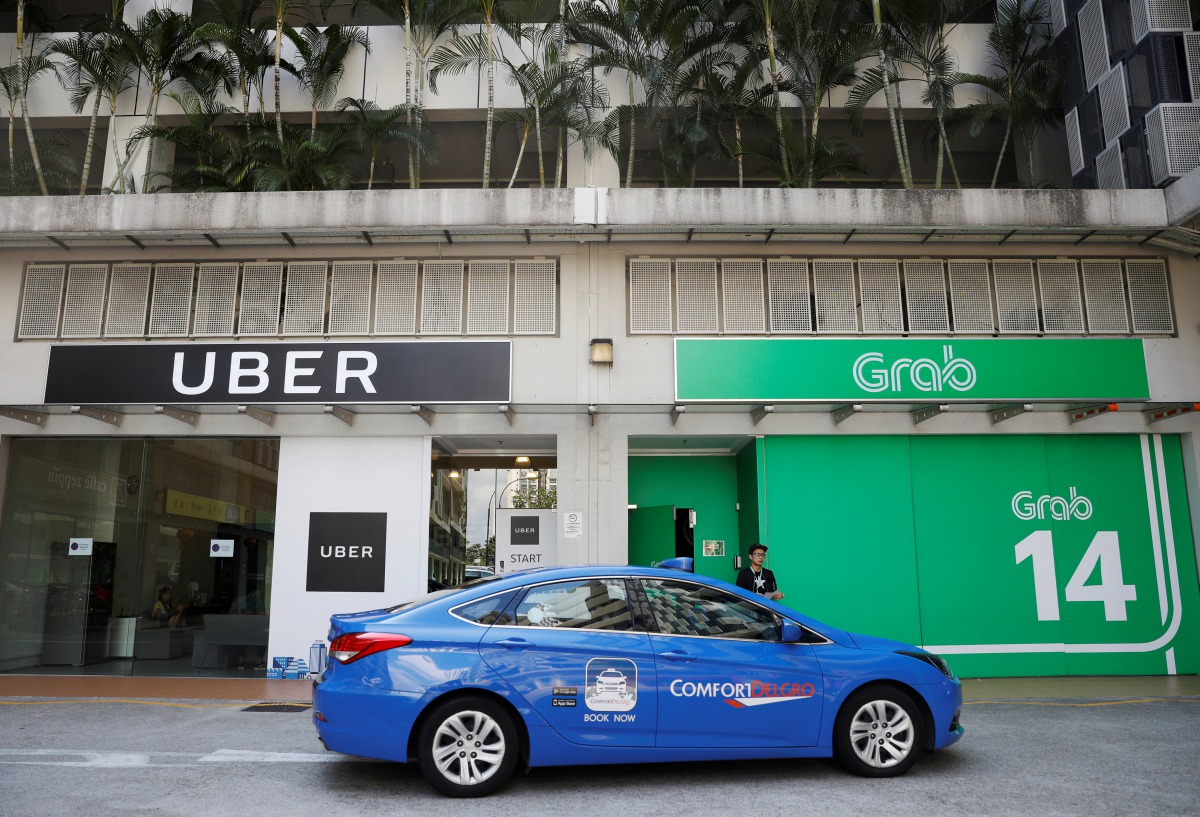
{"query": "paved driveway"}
{"type": "Point", "coordinates": [1051, 754]}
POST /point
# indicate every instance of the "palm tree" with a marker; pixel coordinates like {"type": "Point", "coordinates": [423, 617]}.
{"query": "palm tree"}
{"type": "Point", "coordinates": [374, 128]}
{"type": "Point", "coordinates": [282, 10]}
{"type": "Point", "coordinates": [167, 49]}
{"type": "Point", "coordinates": [244, 43]}
{"type": "Point", "coordinates": [556, 95]}
{"type": "Point", "coordinates": [915, 35]}
{"type": "Point", "coordinates": [425, 21]}
{"type": "Point", "coordinates": [1027, 91]}
{"type": "Point", "coordinates": [737, 92]}
{"type": "Point", "coordinates": [660, 44]}
{"type": "Point", "coordinates": [10, 88]}
{"type": "Point", "coordinates": [301, 162]}
{"type": "Point", "coordinates": [96, 63]}
{"type": "Point", "coordinates": [823, 43]}
{"type": "Point", "coordinates": [470, 50]}
{"type": "Point", "coordinates": [813, 158]}
{"type": "Point", "coordinates": [887, 73]}
{"type": "Point", "coordinates": [205, 145]}
{"type": "Point", "coordinates": [765, 17]}
{"type": "Point", "coordinates": [31, 67]}
{"type": "Point", "coordinates": [321, 60]}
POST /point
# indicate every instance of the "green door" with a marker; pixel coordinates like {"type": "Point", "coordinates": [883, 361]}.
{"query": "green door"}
{"type": "Point", "coordinates": [651, 534]}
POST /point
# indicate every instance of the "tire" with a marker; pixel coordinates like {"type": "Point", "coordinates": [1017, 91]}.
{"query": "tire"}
{"type": "Point", "coordinates": [878, 732]}
{"type": "Point", "coordinates": [468, 747]}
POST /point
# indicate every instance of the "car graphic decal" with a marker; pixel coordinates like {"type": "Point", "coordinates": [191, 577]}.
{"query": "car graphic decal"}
{"type": "Point", "coordinates": [610, 685]}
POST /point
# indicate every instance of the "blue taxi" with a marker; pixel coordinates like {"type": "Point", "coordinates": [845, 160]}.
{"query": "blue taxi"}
{"type": "Point", "coordinates": [589, 665]}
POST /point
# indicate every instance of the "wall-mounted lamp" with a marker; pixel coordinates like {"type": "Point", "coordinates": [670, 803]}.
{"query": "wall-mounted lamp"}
{"type": "Point", "coordinates": [602, 351]}
{"type": "Point", "coordinates": [522, 461]}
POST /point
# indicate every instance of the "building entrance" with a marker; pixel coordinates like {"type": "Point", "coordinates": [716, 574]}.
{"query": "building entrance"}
{"type": "Point", "coordinates": [136, 556]}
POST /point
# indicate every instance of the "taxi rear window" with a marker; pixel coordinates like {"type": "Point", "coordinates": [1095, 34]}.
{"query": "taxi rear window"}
{"type": "Point", "coordinates": [487, 611]}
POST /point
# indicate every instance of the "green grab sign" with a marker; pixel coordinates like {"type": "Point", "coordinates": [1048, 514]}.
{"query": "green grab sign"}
{"type": "Point", "coordinates": [942, 369]}
{"type": "Point", "coordinates": [1010, 556]}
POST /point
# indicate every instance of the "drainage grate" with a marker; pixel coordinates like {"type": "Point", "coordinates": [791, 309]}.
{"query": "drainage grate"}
{"type": "Point", "coordinates": [278, 707]}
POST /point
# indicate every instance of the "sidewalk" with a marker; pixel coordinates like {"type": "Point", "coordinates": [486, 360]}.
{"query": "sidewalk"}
{"type": "Point", "coordinates": [975, 690]}
{"type": "Point", "coordinates": [1090, 688]}
{"type": "Point", "coordinates": [109, 686]}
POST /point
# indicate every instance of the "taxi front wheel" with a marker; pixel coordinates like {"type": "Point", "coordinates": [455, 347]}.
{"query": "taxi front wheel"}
{"type": "Point", "coordinates": [468, 747]}
{"type": "Point", "coordinates": [878, 732]}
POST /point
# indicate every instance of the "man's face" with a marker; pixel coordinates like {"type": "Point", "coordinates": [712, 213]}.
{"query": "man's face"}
{"type": "Point", "coordinates": [756, 557]}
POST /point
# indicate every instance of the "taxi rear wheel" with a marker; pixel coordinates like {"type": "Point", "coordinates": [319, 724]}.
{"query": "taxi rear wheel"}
{"type": "Point", "coordinates": [878, 732]}
{"type": "Point", "coordinates": [468, 747]}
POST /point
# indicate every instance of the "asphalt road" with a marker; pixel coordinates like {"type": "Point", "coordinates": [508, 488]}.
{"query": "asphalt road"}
{"type": "Point", "coordinates": [81, 758]}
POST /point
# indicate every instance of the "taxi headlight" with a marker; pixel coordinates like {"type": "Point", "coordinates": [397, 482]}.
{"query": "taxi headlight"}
{"type": "Point", "coordinates": [935, 661]}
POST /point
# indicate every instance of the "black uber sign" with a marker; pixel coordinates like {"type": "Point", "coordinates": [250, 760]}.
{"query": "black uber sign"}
{"type": "Point", "coordinates": [281, 373]}
{"type": "Point", "coordinates": [524, 530]}
{"type": "Point", "coordinates": [346, 552]}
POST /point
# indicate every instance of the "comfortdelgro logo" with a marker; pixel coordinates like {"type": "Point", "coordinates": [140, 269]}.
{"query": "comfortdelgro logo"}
{"type": "Point", "coordinates": [1054, 507]}
{"type": "Point", "coordinates": [872, 373]}
{"type": "Point", "coordinates": [743, 694]}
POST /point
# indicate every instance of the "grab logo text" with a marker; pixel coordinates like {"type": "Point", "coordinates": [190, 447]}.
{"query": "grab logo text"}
{"type": "Point", "coordinates": [872, 373]}
{"type": "Point", "coordinates": [1024, 506]}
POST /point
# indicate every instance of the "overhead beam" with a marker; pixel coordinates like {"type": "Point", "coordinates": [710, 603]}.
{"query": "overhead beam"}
{"type": "Point", "coordinates": [37, 418]}
{"type": "Point", "coordinates": [181, 414]}
{"type": "Point", "coordinates": [1167, 412]}
{"type": "Point", "coordinates": [261, 414]}
{"type": "Point", "coordinates": [757, 414]}
{"type": "Point", "coordinates": [923, 413]}
{"type": "Point", "coordinates": [113, 418]}
{"type": "Point", "coordinates": [1078, 415]}
{"type": "Point", "coordinates": [344, 414]}
{"type": "Point", "coordinates": [843, 413]}
{"type": "Point", "coordinates": [999, 415]}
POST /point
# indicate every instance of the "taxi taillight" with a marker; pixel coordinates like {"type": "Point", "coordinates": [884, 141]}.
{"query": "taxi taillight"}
{"type": "Point", "coordinates": [353, 646]}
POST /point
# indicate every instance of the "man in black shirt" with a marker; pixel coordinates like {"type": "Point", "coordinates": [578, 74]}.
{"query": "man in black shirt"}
{"type": "Point", "coordinates": [757, 578]}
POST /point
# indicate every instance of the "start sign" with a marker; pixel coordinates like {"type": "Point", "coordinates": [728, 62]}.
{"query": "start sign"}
{"type": "Point", "coordinates": [525, 538]}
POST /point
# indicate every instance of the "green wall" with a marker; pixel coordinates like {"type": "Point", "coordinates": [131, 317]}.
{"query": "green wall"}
{"type": "Point", "coordinates": [1010, 555]}
{"type": "Point", "coordinates": [709, 484]}
{"type": "Point", "coordinates": [840, 531]}
{"type": "Point", "coordinates": [941, 541]}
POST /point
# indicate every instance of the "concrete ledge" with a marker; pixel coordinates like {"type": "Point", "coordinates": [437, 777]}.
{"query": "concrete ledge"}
{"type": "Point", "coordinates": [580, 209]}
{"type": "Point", "coordinates": [1183, 199]}
{"type": "Point", "coordinates": [866, 208]}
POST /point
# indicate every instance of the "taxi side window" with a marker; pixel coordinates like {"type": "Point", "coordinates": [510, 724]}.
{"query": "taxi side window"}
{"type": "Point", "coordinates": [592, 604]}
{"type": "Point", "coordinates": [682, 608]}
{"type": "Point", "coordinates": [488, 611]}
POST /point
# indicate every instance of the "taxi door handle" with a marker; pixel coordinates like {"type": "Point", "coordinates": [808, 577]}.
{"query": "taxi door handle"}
{"type": "Point", "coordinates": [515, 643]}
{"type": "Point", "coordinates": [677, 655]}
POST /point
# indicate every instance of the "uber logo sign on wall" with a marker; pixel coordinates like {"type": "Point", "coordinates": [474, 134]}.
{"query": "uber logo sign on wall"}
{"type": "Point", "coordinates": [524, 530]}
{"type": "Point", "coordinates": [346, 552]}
{"type": "Point", "coordinates": [476, 371]}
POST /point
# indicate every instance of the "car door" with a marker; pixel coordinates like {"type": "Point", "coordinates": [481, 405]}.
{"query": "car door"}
{"type": "Point", "coordinates": [724, 677]}
{"type": "Point", "coordinates": [573, 655]}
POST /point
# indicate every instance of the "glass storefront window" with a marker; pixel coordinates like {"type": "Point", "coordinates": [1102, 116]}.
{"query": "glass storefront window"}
{"type": "Point", "coordinates": [179, 531]}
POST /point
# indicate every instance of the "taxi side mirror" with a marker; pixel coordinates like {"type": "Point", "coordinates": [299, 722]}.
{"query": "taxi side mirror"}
{"type": "Point", "coordinates": [790, 632]}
